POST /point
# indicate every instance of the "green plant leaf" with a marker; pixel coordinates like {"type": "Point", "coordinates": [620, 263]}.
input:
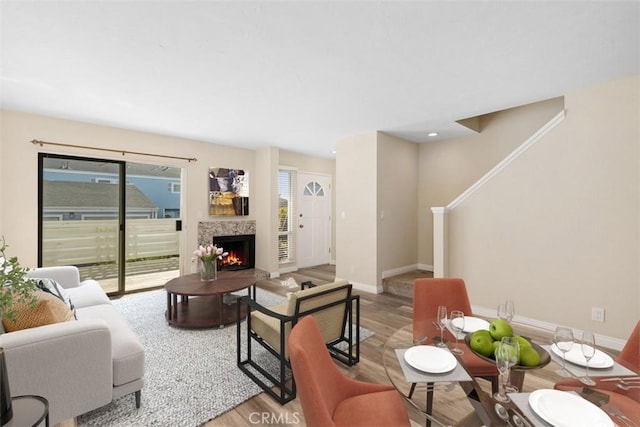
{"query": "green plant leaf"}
{"type": "Point", "coordinates": [15, 286]}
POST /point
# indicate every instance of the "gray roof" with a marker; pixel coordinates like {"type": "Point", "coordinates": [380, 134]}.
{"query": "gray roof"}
{"type": "Point", "coordinates": [91, 195]}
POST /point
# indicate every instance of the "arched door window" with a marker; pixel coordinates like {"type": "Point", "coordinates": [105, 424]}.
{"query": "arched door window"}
{"type": "Point", "coordinates": [313, 189]}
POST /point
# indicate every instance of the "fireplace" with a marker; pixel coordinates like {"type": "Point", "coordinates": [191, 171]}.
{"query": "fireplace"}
{"type": "Point", "coordinates": [241, 249]}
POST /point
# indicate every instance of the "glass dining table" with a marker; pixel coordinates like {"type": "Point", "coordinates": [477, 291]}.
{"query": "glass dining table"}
{"type": "Point", "coordinates": [461, 399]}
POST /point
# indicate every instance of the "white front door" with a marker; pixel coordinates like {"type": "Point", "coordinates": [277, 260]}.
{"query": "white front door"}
{"type": "Point", "coordinates": [314, 219]}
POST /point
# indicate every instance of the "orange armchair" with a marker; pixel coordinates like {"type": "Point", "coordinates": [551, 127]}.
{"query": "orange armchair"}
{"type": "Point", "coordinates": [630, 354]}
{"type": "Point", "coordinates": [428, 294]}
{"type": "Point", "coordinates": [330, 398]}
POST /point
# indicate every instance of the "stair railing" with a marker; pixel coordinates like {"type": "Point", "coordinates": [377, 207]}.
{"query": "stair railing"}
{"type": "Point", "coordinates": [440, 214]}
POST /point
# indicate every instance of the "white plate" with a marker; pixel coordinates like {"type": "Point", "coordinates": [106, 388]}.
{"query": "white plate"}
{"type": "Point", "coordinates": [600, 360]}
{"type": "Point", "coordinates": [430, 359]}
{"type": "Point", "coordinates": [472, 324]}
{"type": "Point", "coordinates": [566, 409]}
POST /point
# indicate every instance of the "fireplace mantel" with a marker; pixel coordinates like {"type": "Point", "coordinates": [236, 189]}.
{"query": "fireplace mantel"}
{"type": "Point", "coordinates": [208, 229]}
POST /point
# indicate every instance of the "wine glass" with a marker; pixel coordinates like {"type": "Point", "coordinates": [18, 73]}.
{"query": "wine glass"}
{"type": "Point", "coordinates": [506, 310]}
{"type": "Point", "coordinates": [457, 324]}
{"type": "Point", "coordinates": [588, 344]}
{"type": "Point", "coordinates": [511, 309]}
{"type": "Point", "coordinates": [514, 353]}
{"type": "Point", "coordinates": [563, 339]}
{"type": "Point", "coordinates": [502, 363]}
{"type": "Point", "coordinates": [507, 355]}
{"type": "Point", "coordinates": [442, 322]}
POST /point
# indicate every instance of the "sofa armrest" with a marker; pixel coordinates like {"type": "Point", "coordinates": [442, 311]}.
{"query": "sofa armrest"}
{"type": "Point", "coordinates": [68, 363]}
{"type": "Point", "coordinates": [67, 275]}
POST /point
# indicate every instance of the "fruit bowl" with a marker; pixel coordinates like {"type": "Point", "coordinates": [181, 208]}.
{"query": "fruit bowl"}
{"type": "Point", "coordinates": [544, 356]}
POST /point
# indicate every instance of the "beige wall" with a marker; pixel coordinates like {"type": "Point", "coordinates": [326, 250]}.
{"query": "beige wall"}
{"type": "Point", "coordinates": [558, 230]}
{"type": "Point", "coordinates": [265, 194]}
{"type": "Point", "coordinates": [306, 163]}
{"type": "Point", "coordinates": [376, 208]}
{"type": "Point", "coordinates": [356, 195]}
{"type": "Point", "coordinates": [449, 167]}
{"type": "Point", "coordinates": [18, 177]}
{"type": "Point", "coordinates": [397, 204]}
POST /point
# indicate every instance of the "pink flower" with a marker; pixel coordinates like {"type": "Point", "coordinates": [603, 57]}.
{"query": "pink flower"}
{"type": "Point", "coordinates": [210, 252]}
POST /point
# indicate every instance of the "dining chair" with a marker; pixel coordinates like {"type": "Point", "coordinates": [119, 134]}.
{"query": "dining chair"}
{"type": "Point", "coordinates": [329, 397]}
{"type": "Point", "coordinates": [630, 354]}
{"type": "Point", "coordinates": [428, 294]}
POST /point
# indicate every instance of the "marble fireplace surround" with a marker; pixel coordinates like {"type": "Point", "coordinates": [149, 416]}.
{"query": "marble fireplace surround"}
{"type": "Point", "coordinates": [208, 229]}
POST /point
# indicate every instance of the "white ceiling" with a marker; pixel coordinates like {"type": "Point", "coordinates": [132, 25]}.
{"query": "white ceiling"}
{"type": "Point", "coordinates": [302, 75]}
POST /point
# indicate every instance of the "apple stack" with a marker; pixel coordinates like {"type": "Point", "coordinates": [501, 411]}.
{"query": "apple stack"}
{"type": "Point", "coordinates": [485, 342]}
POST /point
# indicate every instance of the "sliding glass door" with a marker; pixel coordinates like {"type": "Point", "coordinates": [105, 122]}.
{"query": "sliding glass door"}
{"type": "Point", "coordinates": [118, 222]}
{"type": "Point", "coordinates": [153, 224]}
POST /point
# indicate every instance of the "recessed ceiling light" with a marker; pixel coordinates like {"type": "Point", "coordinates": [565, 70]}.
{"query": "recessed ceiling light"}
{"type": "Point", "coordinates": [334, 152]}
{"type": "Point", "coordinates": [433, 134]}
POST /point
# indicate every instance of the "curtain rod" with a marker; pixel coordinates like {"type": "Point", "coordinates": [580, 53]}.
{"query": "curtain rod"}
{"type": "Point", "coordinates": [111, 150]}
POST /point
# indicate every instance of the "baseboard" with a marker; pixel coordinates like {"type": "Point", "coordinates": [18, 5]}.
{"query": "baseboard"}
{"type": "Point", "coordinates": [406, 269]}
{"type": "Point", "coordinates": [601, 340]}
{"type": "Point", "coordinates": [363, 286]}
{"type": "Point", "coordinates": [425, 267]}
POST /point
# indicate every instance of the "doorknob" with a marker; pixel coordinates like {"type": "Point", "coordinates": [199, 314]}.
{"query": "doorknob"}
{"type": "Point", "coordinates": [301, 226]}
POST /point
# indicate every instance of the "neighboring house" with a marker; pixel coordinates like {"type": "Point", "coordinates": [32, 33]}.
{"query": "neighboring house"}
{"type": "Point", "coordinates": [160, 184]}
{"type": "Point", "coordinates": [99, 201]}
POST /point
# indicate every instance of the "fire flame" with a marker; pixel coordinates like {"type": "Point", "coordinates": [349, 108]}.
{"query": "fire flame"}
{"type": "Point", "coordinates": [233, 259]}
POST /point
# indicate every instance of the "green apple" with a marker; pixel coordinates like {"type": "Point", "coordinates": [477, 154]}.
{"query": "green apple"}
{"type": "Point", "coordinates": [529, 356]}
{"type": "Point", "coordinates": [482, 332]}
{"type": "Point", "coordinates": [499, 328]}
{"type": "Point", "coordinates": [523, 342]}
{"type": "Point", "coordinates": [482, 344]}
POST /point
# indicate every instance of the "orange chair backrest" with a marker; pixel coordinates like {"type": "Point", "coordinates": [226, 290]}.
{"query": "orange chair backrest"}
{"type": "Point", "coordinates": [317, 378]}
{"type": "Point", "coordinates": [429, 293]}
{"type": "Point", "coordinates": [630, 354]}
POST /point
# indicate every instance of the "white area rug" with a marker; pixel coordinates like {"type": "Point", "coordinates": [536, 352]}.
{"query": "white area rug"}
{"type": "Point", "coordinates": [191, 375]}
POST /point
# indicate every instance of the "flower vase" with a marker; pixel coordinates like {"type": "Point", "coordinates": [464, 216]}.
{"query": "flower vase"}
{"type": "Point", "coordinates": [208, 270]}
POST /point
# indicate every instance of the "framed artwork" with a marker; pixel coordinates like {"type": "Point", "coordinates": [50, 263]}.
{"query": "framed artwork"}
{"type": "Point", "coordinates": [228, 192]}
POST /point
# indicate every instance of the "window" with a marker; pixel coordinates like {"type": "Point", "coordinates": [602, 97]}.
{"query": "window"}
{"type": "Point", "coordinates": [286, 216]}
{"type": "Point", "coordinates": [313, 189]}
{"type": "Point", "coordinates": [174, 187]}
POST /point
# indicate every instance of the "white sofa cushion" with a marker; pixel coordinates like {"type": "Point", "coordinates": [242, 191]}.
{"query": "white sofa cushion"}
{"type": "Point", "coordinates": [67, 276]}
{"type": "Point", "coordinates": [126, 350]}
{"type": "Point", "coordinates": [89, 293]}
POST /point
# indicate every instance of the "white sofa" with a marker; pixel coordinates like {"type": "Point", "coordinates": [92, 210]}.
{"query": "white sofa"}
{"type": "Point", "coordinates": [78, 365]}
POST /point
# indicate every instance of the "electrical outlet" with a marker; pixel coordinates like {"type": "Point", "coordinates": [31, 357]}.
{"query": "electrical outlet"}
{"type": "Point", "coordinates": [597, 314]}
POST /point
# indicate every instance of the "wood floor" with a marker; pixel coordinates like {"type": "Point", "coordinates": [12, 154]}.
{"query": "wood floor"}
{"type": "Point", "coordinates": [383, 314]}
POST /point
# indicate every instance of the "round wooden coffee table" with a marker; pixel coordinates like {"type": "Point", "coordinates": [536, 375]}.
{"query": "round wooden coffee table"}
{"type": "Point", "coordinates": [206, 304]}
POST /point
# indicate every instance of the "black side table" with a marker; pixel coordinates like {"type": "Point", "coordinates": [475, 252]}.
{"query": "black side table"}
{"type": "Point", "coordinates": [29, 411]}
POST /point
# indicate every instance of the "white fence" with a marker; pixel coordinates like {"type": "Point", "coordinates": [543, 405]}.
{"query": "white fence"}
{"type": "Point", "coordinates": [96, 241]}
